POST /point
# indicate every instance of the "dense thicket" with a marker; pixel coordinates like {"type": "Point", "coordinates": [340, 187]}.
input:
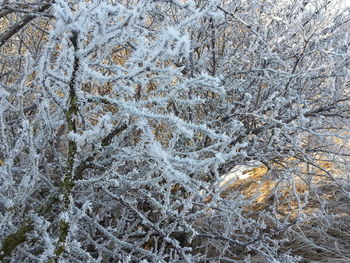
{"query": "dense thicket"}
{"type": "Point", "coordinates": [119, 121]}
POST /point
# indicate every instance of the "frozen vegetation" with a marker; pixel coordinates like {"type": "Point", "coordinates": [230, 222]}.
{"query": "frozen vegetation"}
{"type": "Point", "coordinates": [174, 131]}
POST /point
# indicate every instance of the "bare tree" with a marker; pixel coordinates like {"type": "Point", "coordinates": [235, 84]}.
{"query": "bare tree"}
{"type": "Point", "coordinates": [120, 118]}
